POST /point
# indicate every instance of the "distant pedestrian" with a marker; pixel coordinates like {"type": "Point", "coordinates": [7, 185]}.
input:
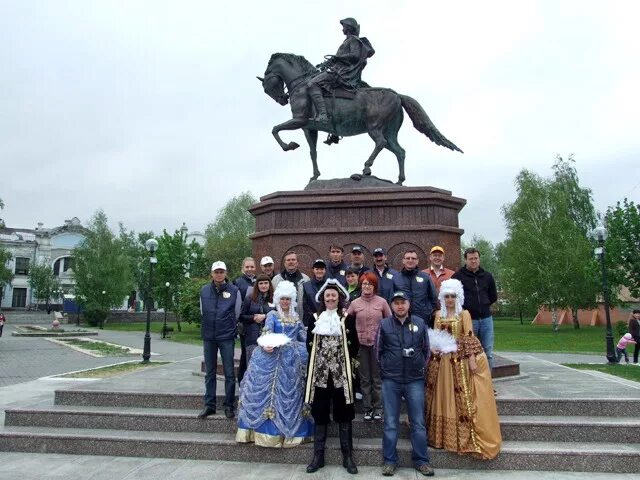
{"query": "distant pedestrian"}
{"type": "Point", "coordinates": [621, 348]}
{"type": "Point", "coordinates": [479, 294]}
{"type": "Point", "coordinates": [2, 320]}
{"type": "Point", "coordinates": [220, 308]}
{"type": "Point", "coordinates": [634, 330]}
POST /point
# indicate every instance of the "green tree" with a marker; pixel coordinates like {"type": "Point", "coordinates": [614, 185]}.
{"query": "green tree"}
{"type": "Point", "coordinates": [189, 305]}
{"type": "Point", "coordinates": [102, 270]}
{"type": "Point", "coordinates": [5, 274]}
{"type": "Point", "coordinates": [137, 256]}
{"type": "Point", "coordinates": [623, 246]}
{"type": "Point", "coordinates": [227, 238]}
{"type": "Point", "coordinates": [43, 283]}
{"type": "Point", "coordinates": [548, 256]}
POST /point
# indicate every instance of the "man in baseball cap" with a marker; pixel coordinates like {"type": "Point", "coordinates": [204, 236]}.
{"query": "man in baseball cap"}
{"type": "Point", "coordinates": [357, 260]}
{"type": "Point", "coordinates": [384, 273]}
{"type": "Point", "coordinates": [266, 265]}
{"type": "Point", "coordinates": [220, 304]}
{"type": "Point", "coordinates": [436, 270]}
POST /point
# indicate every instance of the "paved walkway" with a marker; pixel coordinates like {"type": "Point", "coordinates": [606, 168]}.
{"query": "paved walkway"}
{"type": "Point", "coordinates": [542, 377]}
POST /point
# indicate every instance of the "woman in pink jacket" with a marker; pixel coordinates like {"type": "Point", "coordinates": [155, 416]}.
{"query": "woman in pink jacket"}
{"type": "Point", "coordinates": [369, 309]}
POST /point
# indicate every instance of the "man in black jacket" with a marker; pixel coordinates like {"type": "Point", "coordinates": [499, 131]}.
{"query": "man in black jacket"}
{"type": "Point", "coordinates": [311, 289]}
{"type": "Point", "coordinates": [479, 293]}
{"type": "Point", "coordinates": [336, 265]}
{"type": "Point", "coordinates": [244, 282]}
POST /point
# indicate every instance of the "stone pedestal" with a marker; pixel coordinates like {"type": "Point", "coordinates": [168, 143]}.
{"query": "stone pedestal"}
{"type": "Point", "coordinates": [395, 218]}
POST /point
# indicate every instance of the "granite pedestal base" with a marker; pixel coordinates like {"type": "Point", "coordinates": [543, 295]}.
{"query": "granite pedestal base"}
{"type": "Point", "coordinates": [395, 218]}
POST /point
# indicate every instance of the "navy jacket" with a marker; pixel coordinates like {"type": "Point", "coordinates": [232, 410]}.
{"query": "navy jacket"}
{"type": "Point", "coordinates": [394, 337]}
{"type": "Point", "coordinates": [420, 290]}
{"type": "Point", "coordinates": [479, 291]}
{"type": "Point", "coordinates": [310, 306]}
{"type": "Point", "coordinates": [243, 283]}
{"type": "Point", "coordinates": [219, 309]}
{"type": "Point", "coordinates": [385, 282]}
{"type": "Point", "coordinates": [337, 271]}
{"type": "Point", "coordinates": [252, 330]}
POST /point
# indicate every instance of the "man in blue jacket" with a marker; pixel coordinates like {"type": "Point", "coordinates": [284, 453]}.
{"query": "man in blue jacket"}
{"type": "Point", "coordinates": [402, 348]}
{"type": "Point", "coordinates": [384, 272]}
{"type": "Point", "coordinates": [417, 286]}
{"type": "Point", "coordinates": [311, 289]}
{"type": "Point", "coordinates": [244, 282]}
{"type": "Point", "coordinates": [220, 304]}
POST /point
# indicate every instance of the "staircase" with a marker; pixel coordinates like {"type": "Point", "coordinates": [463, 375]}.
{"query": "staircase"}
{"type": "Point", "coordinates": [589, 435]}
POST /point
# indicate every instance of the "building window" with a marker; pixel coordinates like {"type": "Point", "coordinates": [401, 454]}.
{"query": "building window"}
{"type": "Point", "coordinates": [22, 266]}
{"type": "Point", "coordinates": [61, 265]}
{"type": "Point", "coordinates": [19, 298]}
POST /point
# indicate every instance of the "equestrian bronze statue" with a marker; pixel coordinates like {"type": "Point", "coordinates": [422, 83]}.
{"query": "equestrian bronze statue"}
{"type": "Point", "coordinates": [332, 98]}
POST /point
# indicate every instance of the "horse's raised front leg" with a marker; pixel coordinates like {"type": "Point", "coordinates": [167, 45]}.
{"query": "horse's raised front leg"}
{"type": "Point", "coordinates": [293, 124]}
{"type": "Point", "coordinates": [312, 140]}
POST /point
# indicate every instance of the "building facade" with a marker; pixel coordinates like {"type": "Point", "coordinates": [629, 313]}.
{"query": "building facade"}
{"type": "Point", "coordinates": [53, 246]}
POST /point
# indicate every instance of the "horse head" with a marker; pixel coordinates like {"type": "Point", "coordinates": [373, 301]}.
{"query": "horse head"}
{"type": "Point", "coordinates": [273, 86]}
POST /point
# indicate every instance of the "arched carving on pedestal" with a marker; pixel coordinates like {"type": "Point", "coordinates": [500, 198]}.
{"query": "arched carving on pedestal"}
{"type": "Point", "coordinates": [395, 253]}
{"type": "Point", "coordinates": [306, 256]}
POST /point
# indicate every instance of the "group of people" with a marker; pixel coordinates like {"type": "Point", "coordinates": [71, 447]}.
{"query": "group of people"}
{"type": "Point", "coordinates": [310, 345]}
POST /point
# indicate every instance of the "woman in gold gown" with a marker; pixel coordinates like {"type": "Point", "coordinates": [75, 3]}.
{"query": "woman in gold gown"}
{"type": "Point", "coordinates": [461, 407]}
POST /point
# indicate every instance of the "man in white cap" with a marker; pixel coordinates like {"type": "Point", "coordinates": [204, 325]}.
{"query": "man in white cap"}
{"type": "Point", "coordinates": [220, 304]}
{"type": "Point", "coordinates": [266, 265]}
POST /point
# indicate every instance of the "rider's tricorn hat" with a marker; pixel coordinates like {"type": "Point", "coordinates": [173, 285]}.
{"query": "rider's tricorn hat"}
{"type": "Point", "coordinates": [351, 22]}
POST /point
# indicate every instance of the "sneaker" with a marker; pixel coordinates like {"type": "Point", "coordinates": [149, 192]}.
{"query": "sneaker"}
{"type": "Point", "coordinates": [368, 414]}
{"type": "Point", "coordinates": [388, 469]}
{"type": "Point", "coordinates": [426, 470]}
{"type": "Point", "coordinates": [377, 415]}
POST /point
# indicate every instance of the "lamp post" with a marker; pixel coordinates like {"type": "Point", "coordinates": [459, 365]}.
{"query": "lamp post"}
{"type": "Point", "coordinates": [166, 306]}
{"type": "Point", "coordinates": [601, 235]}
{"type": "Point", "coordinates": [151, 245]}
{"type": "Point", "coordinates": [103, 306]}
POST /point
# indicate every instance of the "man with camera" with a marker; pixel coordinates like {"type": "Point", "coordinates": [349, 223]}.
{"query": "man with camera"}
{"type": "Point", "coordinates": [402, 348]}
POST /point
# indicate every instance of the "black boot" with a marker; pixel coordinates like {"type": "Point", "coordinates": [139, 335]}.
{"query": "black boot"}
{"type": "Point", "coordinates": [319, 440]}
{"type": "Point", "coordinates": [318, 101]}
{"type": "Point", "coordinates": [346, 445]}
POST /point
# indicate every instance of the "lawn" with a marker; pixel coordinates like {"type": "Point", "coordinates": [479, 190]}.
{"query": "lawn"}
{"type": "Point", "coordinates": [630, 372]}
{"type": "Point", "coordinates": [112, 370]}
{"type": "Point", "coordinates": [97, 347]}
{"type": "Point", "coordinates": [510, 336]}
{"type": "Point", "coordinates": [190, 332]}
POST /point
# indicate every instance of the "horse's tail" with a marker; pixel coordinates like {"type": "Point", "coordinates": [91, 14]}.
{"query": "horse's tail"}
{"type": "Point", "coordinates": [423, 123]}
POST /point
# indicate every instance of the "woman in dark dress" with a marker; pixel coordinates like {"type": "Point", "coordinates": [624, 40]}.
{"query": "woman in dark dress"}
{"type": "Point", "coordinates": [333, 345]}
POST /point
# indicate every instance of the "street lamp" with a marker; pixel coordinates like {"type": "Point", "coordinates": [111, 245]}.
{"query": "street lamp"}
{"type": "Point", "coordinates": [601, 235]}
{"type": "Point", "coordinates": [166, 306]}
{"type": "Point", "coordinates": [151, 245]}
{"type": "Point", "coordinates": [103, 306]}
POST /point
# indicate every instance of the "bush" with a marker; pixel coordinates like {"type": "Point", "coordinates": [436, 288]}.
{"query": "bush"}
{"type": "Point", "coordinates": [622, 328]}
{"type": "Point", "coordinates": [95, 317]}
{"type": "Point", "coordinates": [189, 300]}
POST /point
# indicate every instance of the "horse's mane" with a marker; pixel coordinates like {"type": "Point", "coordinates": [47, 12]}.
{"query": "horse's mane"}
{"type": "Point", "coordinates": [296, 60]}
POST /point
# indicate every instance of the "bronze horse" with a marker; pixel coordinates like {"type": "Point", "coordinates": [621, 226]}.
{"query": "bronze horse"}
{"type": "Point", "coordinates": [376, 111]}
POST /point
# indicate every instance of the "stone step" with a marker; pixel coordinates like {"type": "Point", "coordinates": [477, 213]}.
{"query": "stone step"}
{"type": "Point", "coordinates": [590, 457]}
{"type": "Point", "coordinates": [506, 406]}
{"type": "Point", "coordinates": [519, 428]}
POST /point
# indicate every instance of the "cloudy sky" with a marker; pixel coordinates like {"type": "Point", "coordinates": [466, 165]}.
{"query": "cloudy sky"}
{"type": "Point", "coordinates": [151, 110]}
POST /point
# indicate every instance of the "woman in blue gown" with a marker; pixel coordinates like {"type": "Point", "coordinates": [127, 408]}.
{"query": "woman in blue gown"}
{"type": "Point", "coordinates": [271, 409]}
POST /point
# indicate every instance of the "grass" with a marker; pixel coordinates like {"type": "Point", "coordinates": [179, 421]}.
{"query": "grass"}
{"type": "Point", "coordinates": [629, 372]}
{"type": "Point", "coordinates": [510, 336]}
{"type": "Point", "coordinates": [190, 332]}
{"type": "Point", "coordinates": [97, 347]}
{"type": "Point", "coordinates": [112, 370]}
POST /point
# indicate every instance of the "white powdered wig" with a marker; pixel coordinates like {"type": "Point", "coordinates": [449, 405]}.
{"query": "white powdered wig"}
{"type": "Point", "coordinates": [286, 289]}
{"type": "Point", "coordinates": [448, 287]}
{"type": "Point", "coordinates": [442, 341]}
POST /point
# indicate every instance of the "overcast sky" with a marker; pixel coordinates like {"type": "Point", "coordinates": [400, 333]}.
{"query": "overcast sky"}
{"type": "Point", "coordinates": [151, 110]}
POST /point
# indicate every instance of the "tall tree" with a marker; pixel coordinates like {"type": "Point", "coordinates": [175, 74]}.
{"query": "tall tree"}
{"type": "Point", "coordinates": [137, 256]}
{"type": "Point", "coordinates": [548, 252]}
{"type": "Point", "coordinates": [43, 283]}
{"type": "Point", "coordinates": [623, 245]}
{"type": "Point", "coordinates": [102, 270]}
{"type": "Point", "coordinates": [227, 238]}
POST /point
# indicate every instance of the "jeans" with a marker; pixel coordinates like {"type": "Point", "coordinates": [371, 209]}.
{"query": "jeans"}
{"type": "Point", "coordinates": [414, 396]}
{"type": "Point", "coordinates": [226, 348]}
{"type": "Point", "coordinates": [483, 329]}
{"type": "Point", "coordinates": [619, 353]}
